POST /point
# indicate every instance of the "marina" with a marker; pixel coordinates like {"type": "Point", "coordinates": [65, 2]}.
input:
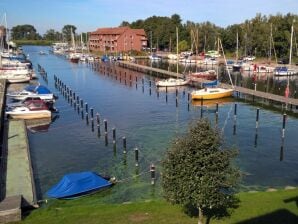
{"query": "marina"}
{"type": "Point", "coordinates": [156, 115]}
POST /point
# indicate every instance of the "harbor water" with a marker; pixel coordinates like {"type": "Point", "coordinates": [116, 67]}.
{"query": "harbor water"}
{"type": "Point", "coordinates": [150, 119]}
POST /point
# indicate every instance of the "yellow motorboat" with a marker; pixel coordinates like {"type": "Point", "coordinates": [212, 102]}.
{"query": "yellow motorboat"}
{"type": "Point", "coordinates": [211, 93]}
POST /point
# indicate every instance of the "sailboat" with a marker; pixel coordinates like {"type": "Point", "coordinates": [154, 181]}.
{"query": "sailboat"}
{"type": "Point", "coordinates": [210, 93]}
{"type": "Point", "coordinates": [285, 71]}
{"type": "Point", "coordinates": [73, 57]}
{"type": "Point", "coordinates": [173, 81]}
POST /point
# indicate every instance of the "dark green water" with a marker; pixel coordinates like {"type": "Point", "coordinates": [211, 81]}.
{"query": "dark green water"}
{"type": "Point", "coordinates": [148, 121]}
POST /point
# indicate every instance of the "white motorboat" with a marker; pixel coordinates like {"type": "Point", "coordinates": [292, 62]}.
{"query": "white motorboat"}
{"type": "Point", "coordinates": [172, 82]}
{"type": "Point", "coordinates": [32, 109]}
{"type": "Point", "coordinates": [33, 91]}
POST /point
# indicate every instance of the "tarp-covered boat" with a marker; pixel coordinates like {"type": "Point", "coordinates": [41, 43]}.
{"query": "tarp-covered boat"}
{"type": "Point", "coordinates": [78, 184]}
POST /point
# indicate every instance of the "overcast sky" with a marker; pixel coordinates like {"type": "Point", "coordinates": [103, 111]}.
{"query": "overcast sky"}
{"type": "Point", "coordinates": [88, 15]}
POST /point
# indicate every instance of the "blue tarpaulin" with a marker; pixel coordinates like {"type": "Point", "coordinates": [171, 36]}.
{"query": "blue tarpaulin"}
{"type": "Point", "coordinates": [77, 184]}
{"type": "Point", "coordinates": [211, 83]}
{"type": "Point", "coordinates": [40, 89]}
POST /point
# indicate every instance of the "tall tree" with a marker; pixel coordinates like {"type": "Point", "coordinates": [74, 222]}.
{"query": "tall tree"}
{"type": "Point", "coordinates": [198, 172]}
{"type": "Point", "coordinates": [66, 31]}
{"type": "Point", "coordinates": [24, 32]}
{"type": "Point", "coordinates": [52, 34]}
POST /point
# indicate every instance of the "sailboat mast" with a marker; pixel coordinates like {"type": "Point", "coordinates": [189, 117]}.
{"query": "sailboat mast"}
{"type": "Point", "coordinates": [237, 43]}
{"type": "Point", "coordinates": [223, 53]}
{"type": "Point", "coordinates": [292, 31]}
{"type": "Point", "coordinates": [177, 49]}
{"type": "Point", "coordinates": [270, 41]}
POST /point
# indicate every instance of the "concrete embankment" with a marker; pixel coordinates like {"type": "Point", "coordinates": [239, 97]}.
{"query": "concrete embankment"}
{"type": "Point", "coordinates": [17, 182]}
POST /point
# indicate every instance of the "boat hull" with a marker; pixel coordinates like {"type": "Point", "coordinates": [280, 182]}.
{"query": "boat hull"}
{"type": "Point", "coordinates": [202, 94]}
{"type": "Point", "coordinates": [30, 115]}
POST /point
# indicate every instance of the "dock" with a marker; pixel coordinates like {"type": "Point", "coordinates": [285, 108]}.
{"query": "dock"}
{"type": "Point", "coordinates": [17, 182]}
{"type": "Point", "coordinates": [251, 92]}
{"type": "Point", "coordinates": [19, 177]}
{"type": "Point", "coordinates": [143, 68]}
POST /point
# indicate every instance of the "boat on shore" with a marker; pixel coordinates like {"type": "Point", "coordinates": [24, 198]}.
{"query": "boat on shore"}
{"type": "Point", "coordinates": [75, 185]}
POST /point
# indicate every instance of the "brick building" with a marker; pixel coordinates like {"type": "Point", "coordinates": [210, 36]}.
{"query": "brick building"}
{"type": "Point", "coordinates": [120, 39]}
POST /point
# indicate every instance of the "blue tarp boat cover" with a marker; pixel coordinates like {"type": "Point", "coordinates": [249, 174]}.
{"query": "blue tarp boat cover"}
{"type": "Point", "coordinates": [30, 88]}
{"type": "Point", "coordinates": [40, 89]}
{"type": "Point", "coordinates": [211, 83]}
{"type": "Point", "coordinates": [77, 184]}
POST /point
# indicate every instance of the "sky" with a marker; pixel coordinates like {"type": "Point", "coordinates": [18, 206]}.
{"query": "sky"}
{"type": "Point", "coordinates": [88, 15]}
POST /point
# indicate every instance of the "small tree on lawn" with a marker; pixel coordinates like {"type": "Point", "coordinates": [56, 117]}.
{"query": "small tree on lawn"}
{"type": "Point", "coordinates": [197, 172]}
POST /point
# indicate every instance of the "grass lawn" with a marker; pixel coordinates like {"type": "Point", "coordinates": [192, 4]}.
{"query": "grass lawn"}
{"type": "Point", "coordinates": [279, 207]}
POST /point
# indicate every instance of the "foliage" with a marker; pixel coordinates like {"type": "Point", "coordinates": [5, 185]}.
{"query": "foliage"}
{"type": "Point", "coordinates": [257, 207]}
{"type": "Point", "coordinates": [197, 172]}
{"type": "Point", "coordinates": [52, 35]}
{"type": "Point", "coordinates": [24, 32]}
{"type": "Point", "coordinates": [33, 42]}
{"type": "Point", "coordinates": [183, 46]}
{"type": "Point", "coordinates": [66, 31]}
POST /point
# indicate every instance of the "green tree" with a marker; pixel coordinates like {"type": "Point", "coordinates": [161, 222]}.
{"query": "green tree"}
{"type": "Point", "coordinates": [183, 46]}
{"type": "Point", "coordinates": [66, 31]}
{"type": "Point", "coordinates": [198, 172]}
{"type": "Point", "coordinates": [53, 35]}
{"type": "Point", "coordinates": [24, 32]}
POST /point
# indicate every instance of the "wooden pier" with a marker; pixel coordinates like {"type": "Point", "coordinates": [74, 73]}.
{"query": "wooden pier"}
{"type": "Point", "coordinates": [252, 92]}
{"type": "Point", "coordinates": [144, 68]}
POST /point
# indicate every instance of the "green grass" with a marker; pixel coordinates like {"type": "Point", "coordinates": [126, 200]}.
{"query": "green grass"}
{"type": "Point", "coordinates": [261, 207]}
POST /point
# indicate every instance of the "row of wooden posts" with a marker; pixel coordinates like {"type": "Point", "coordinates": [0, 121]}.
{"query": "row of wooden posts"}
{"type": "Point", "coordinates": [42, 72]}
{"type": "Point", "coordinates": [78, 104]}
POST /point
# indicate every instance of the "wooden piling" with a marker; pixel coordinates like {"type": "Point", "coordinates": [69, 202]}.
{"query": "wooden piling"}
{"type": "Point", "coordinates": [124, 145]}
{"type": "Point", "coordinates": [137, 156]}
{"type": "Point", "coordinates": [152, 173]}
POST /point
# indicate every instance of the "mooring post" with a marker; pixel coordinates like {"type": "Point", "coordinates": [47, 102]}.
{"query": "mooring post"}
{"type": "Point", "coordinates": [124, 144]}
{"type": "Point", "coordinates": [97, 119]}
{"type": "Point", "coordinates": [152, 172]}
{"type": "Point", "coordinates": [91, 113]}
{"type": "Point", "coordinates": [114, 135]}
{"type": "Point", "coordinates": [137, 156]}
{"type": "Point", "coordinates": [257, 118]}
{"type": "Point", "coordinates": [284, 125]}
{"type": "Point", "coordinates": [86, 107]}
{"type": "Point", "coordinates": [235, 111]}
{"type": "Point", "coordinates": [82, 104]}
{"type": "Point", "coordinates": [106, 125]}
{"type": "Point", "coordinates": [87, 119]}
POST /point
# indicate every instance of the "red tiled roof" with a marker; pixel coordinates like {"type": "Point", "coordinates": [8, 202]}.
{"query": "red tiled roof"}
{"type": "Point", "coordinates": [118, 30]}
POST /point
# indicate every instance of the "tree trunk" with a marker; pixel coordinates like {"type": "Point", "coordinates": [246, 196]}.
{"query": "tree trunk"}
{"type": "Point", "coordinates": [200, 216]}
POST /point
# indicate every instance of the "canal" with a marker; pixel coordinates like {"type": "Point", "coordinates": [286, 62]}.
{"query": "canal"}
{"type": "Point", "coordinates": [150, 119]}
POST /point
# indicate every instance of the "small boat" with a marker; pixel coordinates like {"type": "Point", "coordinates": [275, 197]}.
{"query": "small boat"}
{"type": "Point", "coordinates": [172, 82]}
{"type": "Point", "coordinates": [211, 93]}
{"type": "Point", "coordinates": [33, 91]}
{"type": "Point", "coordinates": [209, 75]}
{"type": "Point", "coordinates": [75, 185]}
{"type": "Point", "coordinates": [32, 109]}
{"type": "Point", "coordinates": [280, 71]}
{"type": "Point", "coordinates": [42, 53]}
{"type": "Point", "coordinates": [154, 57]}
